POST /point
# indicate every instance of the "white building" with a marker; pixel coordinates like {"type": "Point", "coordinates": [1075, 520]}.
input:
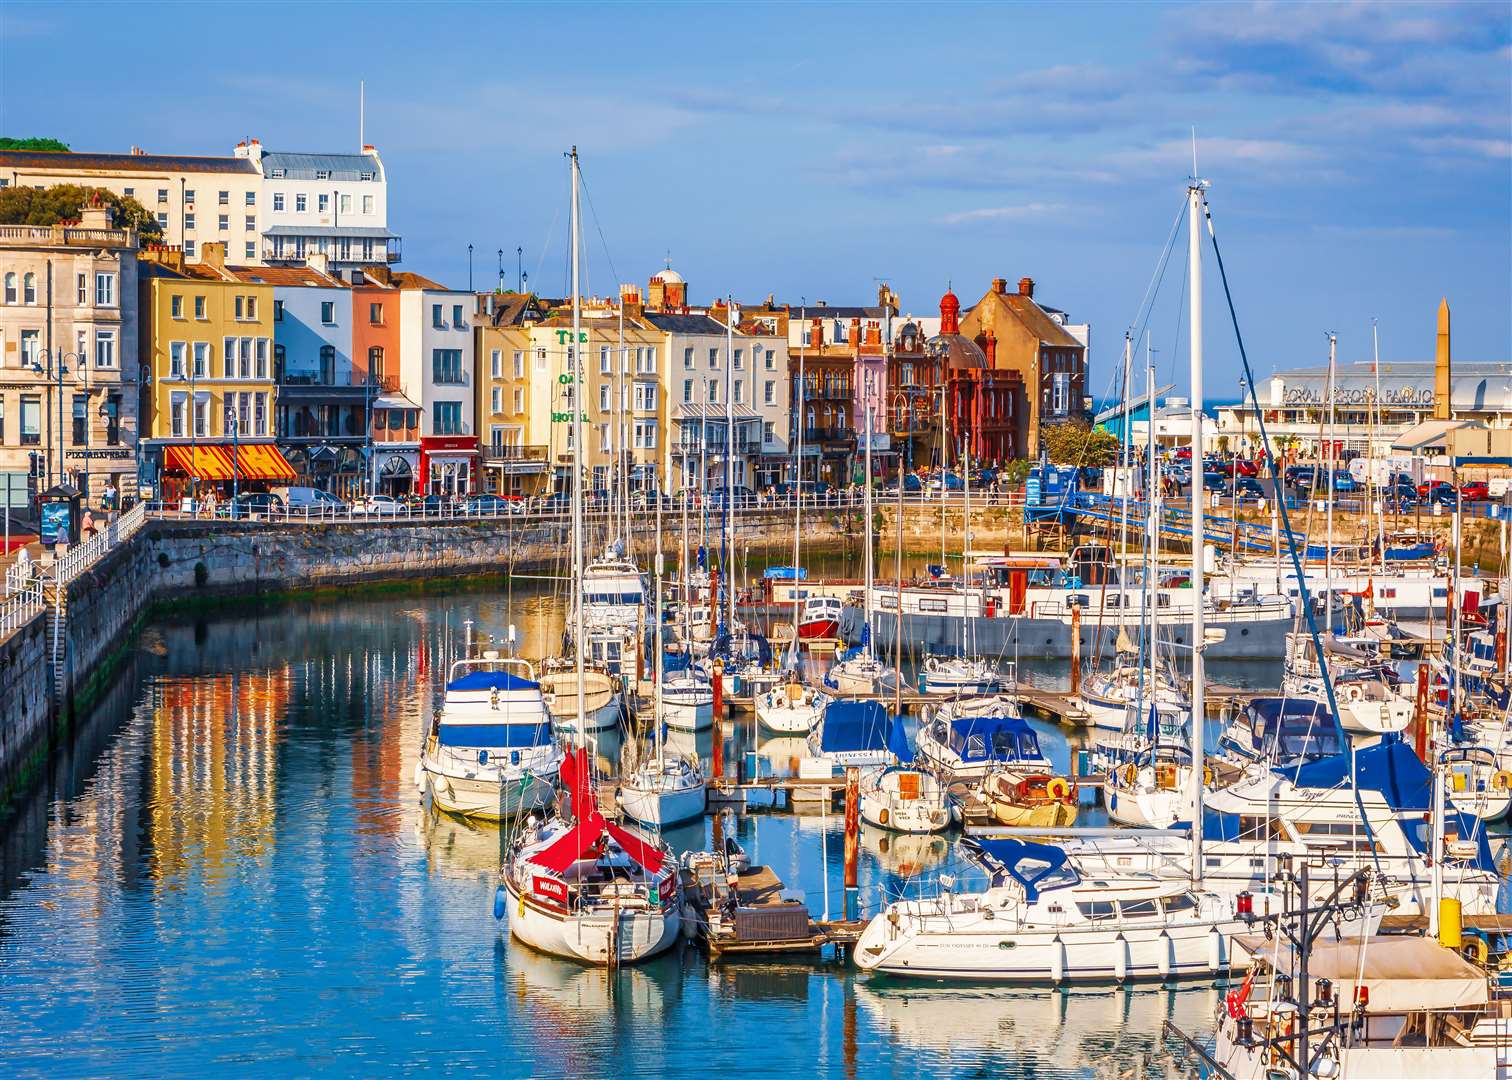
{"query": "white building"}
{"type": "Point", "coordinates": [436, 371]}
{"type": "Point", "coordinates": [335, 205]}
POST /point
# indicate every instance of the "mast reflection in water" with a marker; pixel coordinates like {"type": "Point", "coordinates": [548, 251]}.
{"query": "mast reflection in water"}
{"type": "Point", "coordinates": [228, 871]}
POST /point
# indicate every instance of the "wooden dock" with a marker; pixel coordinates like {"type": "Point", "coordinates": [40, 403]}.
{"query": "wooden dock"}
{"type": "Point", "coordinates": [752, 916]}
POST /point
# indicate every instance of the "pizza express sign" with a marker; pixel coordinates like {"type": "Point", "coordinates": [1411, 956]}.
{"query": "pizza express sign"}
{"type": "Point", "coordinates": [1347, 395]}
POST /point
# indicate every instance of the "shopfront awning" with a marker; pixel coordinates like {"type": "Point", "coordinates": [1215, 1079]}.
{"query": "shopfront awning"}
{"type": "Point", "coordinates": [215, 463]}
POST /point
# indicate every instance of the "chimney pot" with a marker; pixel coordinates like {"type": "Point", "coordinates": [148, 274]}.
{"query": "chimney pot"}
{"type": "Point", "coordinates": [1026, 287]}
{"type": "Point", "coordinates": [999, 285]}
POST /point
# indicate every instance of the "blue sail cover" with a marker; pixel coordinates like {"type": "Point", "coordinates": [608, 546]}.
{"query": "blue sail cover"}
{"type": "Point", "coordinates": [994, 738]}
{"type": "Point", "coordinates": [899, 743]}
{"type": "Point", "coordinates": [491, 680]}
{"type": "Point", "coordinates": [495, 736]}
{"type": "Point", "coordinates": [785, 573]}
{"type": "Point", "coordinates": [853, 726]}
{"type": "Point", "coordinates": [1389, 767]}
{"type": "Point", "coordinates": [1010, 855]}
{"type": "Point", "coordinates": [1296, 729]}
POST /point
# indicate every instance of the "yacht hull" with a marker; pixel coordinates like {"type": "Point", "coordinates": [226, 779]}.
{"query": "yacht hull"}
{"type": "Point", "coordinates": [662, 808]}
{"type": "Point", "coordinates": [481, 799]}
{"type": "Point", "coordinates": [601, 936]}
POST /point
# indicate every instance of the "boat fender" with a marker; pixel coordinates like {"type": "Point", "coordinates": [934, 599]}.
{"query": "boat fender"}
{"type": "Point", "coordinates": [501, 902]}
{"type": "Point", "coordinates": [1502, 780]}
{"type": "Point", "coordinates": [1057, 960]}
{"type": "Point", "coordinates": [1215, 950]}
{"type": "Point", "coordinates": [1057, 788]}
{"type": "Point", "coordinates": [1163, 961]}
{"type": "Point", "coordinates": [1207, 776]}
{"type": "Point", "coordinates": [882, 816]}
{"type": "Point", "coordinates": [1121, 958]}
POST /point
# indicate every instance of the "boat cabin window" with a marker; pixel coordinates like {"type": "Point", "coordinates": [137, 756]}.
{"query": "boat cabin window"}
{"type": "Point", "coordinates": [1097, 909]}
{"type": "Point", "coordinates": [933, 604]}
{"type": "Point", "coordinates": [1183, 902]}
{"type": "Point", "coordinates": [600, 597]}
{"type": "Point", "coordinates": [1137, 908]}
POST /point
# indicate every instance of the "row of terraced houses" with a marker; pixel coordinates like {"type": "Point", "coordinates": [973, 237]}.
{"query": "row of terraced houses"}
{"type": "Point", "coordinates": [270, 339]}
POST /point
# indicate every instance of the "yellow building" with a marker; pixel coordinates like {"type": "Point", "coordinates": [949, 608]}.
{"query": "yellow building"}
{"type": "Point", "coordinates": [208, 343]}
{"type": "Point", "coordinates": [512, 463]}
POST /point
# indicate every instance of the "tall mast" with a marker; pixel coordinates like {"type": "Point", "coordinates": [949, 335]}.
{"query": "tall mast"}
{"type": "Point", "coordinates": [1375, 427]}
{"type": "Point", "coordinates": [802, 414]}
{"type": "Point", "coordinates": [620, 489]}
{"type": "Point", "coordinates": [1333, 345]}
{"type": "Point", "coordinates": [867, 503]}
{"type": "Point", "coordinates": [729, 499]}
{"type": "Point", "coordinates": [575, 356]}
{"type": "Point", "coordinates": [1127, 474]}
{"type": "Point", "coordinates": [656, 633]}
{"type": "Point", "coordinates": [1148, 601]}
{"type": "Point", "coordinates": [1199, 533]}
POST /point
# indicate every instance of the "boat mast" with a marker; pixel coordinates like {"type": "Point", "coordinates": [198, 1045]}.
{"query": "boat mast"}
{"type": "Point", "coordinates": [1375, 427]}
{"type": "Point", "coordinates": [1148, 600]}
{"type": "Point", "coordinates": [656, 637]}
{"type": "Point", "coordinates": [1125, 473]}
{"type": "Point", "coordinates": [965, 540]}
{"type": "Point", "coordinates": [1199, 533]}
{"type": "Point", "coordinates": [867, 503]}
{"type": "Point", "coordinates": [729, 499]}
{"type": "Point", "coordinates": [1328, 584]}
{"type": "Point", "coordinates": [801, 414]}
{"type": "Point", "coordinates": [618, 476]}
{"type": "Point", "coordinates": [575, 357]}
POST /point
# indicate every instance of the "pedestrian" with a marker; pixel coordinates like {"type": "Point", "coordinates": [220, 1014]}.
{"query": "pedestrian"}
{"type": "Point", "coordinates": [108, 499]}
{"type": "Point", "coordinates": [87, 526]}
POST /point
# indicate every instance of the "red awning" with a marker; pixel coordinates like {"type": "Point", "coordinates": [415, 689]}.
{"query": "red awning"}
{"type": "Point", "coordinates": [215, 462]}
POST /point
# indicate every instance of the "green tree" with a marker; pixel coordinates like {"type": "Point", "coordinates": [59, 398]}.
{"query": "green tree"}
{"type": "Point", "coordinates": [35, 142]}
{"type": "Point", "coordinates": [1075, 442]}
{"type": "Point", "coordinates": [63, 202]}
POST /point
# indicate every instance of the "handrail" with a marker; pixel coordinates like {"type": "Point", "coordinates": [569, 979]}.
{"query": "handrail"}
{"type": "Point", "coordinates": [82, 556]}
{"type": "Point", "coordinates": [20, 608]}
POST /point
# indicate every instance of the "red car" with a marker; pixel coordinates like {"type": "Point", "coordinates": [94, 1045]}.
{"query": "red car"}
{"type": "Point", "coordinates": [1441, 490]}
{"type": "Point", "coordinates": [1246, 468]}
{"type": "Point", "coordinates": [1183, 453]}
{"type": "Point", "coordinates": [1475, 491]}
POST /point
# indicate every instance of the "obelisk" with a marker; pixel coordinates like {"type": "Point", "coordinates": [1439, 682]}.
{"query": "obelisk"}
{"type": "Point", "coordinates": [1441, 364]}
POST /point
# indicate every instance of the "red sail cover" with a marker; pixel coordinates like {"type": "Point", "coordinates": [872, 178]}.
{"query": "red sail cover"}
{"type": "Point", "coordinates": [585, 837]}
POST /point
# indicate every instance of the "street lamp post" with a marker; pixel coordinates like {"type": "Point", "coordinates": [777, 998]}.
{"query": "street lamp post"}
{"type": "Point", "coordinates": [231, 422]}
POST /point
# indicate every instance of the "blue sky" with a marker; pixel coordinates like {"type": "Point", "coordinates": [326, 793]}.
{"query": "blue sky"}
{"type": "Point", "coordinates": [1360, 154]}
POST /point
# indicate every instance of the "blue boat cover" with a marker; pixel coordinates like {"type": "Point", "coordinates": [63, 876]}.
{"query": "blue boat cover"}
{"type": "Point", "coordinates": [852, 726]}
{"type": "Point", "coordinates": [491, 680]}
{"type": "Point", "coordinates": [1414, 552]}
{"type": "Point", "coordinates": [994, 738]}
{"type": "Point", "coordinates": [1389, 767]}
{"type": "Point", "coordinates": [1010, 854]}
{"type": "Point", "coordinates": [1296, 729]}
{"type": "Point", "coordinates": [496, 736]}
{"type": "Point", "coordinates": [785, 573]}
{"type": "Point", "coordinates": [898, 741]}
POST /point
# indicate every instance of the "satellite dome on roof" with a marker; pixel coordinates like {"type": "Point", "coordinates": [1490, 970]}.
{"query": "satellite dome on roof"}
{"type": "Point", "coordinates": [670, 276]}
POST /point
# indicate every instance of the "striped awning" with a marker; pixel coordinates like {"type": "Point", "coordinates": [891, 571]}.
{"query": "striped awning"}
{"type": "Point", "coordinates": [216, 462]}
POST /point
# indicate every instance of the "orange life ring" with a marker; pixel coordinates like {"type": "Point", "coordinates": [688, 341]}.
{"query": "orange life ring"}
{"type": "Point", "coordinates": [882, 816]}
{"type": "Point", "coordinates": [1057, 788]}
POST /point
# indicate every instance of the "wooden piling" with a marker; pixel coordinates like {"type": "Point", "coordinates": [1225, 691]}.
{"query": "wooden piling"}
{"type": "Point", "coordinates": [717, 750]}
{"type": "Point", "coordinates": [1076, 671]}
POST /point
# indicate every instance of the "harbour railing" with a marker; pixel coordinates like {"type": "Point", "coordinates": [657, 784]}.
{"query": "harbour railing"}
{"type": "Point", "coordinates": [20, 607]}
{"type": "Point", "coordinates": [82, 556]}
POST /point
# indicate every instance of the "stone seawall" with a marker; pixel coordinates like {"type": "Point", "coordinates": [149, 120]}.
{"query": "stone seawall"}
{"type": "Point", "coordinates": [25, 702]}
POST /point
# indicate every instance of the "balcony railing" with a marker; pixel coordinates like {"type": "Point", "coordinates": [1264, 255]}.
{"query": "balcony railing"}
{"type": "Point", "coordinates": [505, 452]}
{"type": "Point", "coordinates": [378, 383]}
{"type": "Point", "coordinates": [24, 235]}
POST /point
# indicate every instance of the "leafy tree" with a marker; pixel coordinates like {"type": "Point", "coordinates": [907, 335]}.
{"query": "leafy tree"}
{"type": "Point", "coordinates": [1075, 442]}
{"type": "Point", "coordinates": [63, 202]}
{"type": "Point", "coordinates": [52, 146]}
{"type": "Point", "coordinates": [1016, 472]}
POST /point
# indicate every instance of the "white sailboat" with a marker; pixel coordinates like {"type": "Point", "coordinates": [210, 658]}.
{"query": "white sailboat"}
{"type": "Point", "coordinates": [791, 708]}
{"type": "Point", "coordinates": [577, 885]}
{"type": "Point", "coordinates": [907, 796]}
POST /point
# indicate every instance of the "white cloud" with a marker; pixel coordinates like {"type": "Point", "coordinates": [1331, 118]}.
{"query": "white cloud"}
{"type": "Point", "coordinates": [1024, 212]}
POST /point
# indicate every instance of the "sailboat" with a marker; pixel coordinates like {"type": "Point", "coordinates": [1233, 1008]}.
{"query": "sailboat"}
{"type": "Point", "coordinates": [578, 885]}
{"type": "Point", "coordinates": [666, 789]}
{"type": "Point", "coordinates": [906, 797]}
{"type": "Point", "coordinates": [860, 670]}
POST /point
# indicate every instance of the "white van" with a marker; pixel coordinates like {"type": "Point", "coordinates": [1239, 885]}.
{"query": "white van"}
{"type": "Point", "coordinates": [311, 502]}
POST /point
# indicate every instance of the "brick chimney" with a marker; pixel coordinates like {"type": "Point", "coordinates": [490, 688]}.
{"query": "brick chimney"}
{"type": "Point", "coordinates": [630, 302]}
{"type": "Point", "coordinates": [1026, 287]}
{"type": "Point", "coordinates": [168, 256]}
{"type": "Point", "coordinates": [816, 334]}
{"type": "Point", "coordinates": [853, 334]}
{"type": "Point", "coordinates": [318, 261]}
{"type": "Point", "coordinates": [96, 215]}
{"type": "Point", "coordinates": [989, 346]}
{"type": "Point", "coordinates": [873, 333]}
{"type": "Point", "coordinates": [999, 285]}
{"type": "Point", "coordinates": [213, 254]}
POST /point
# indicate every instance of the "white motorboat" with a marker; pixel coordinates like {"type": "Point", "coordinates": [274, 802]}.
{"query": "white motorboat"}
{"type": "Point", "coordinates": [687, 702]}
{"type": "Point", "coordinates": [587, 889]}
{"type": "Point", "coordinates": [1409, 1008]}
{"type": "Point", "coordinates": [601, 699]}
{"type": "Point", "coordinates": [791, 708]}
{"type": "Point", "coordinates": [1282, 733]}
{"type": "Point", "coordinates": [850, 734]}
{"type": "Point", "coordinates": [490, 753]}
{"type": "Point", "coordinates": [1039, 922]}
{"type": "Point", "coordinates": [665, 790]}
{"type": "Point", "coordinates": [904, 799]}
{"type": "Point", "coordinates": [966, 739]}
{"type": "Point", "coordinates": [959, 676]}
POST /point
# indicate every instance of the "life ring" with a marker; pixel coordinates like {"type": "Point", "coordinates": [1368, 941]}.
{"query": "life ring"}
{"type": "Point", "coordinates": [1131, 773]}
{"type": "Point", "coordinates": [1057, 788]}
{"type": "Point", "coordinates": [1475, 949]}
{"type": "Point", "coordinates": [1353, 693]}
{"type": "Point", "coordinates": [1502, 780]}
{"type": "Point", "coordinates": [882, 816]}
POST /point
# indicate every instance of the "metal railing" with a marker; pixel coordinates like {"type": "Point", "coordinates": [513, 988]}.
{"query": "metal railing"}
{"type": "Point", "coordinates": [20, 608]}
{"type": "Point", "coordinates": [84, 555]}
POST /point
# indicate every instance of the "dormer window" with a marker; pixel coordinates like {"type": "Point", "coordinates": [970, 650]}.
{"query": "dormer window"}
{"type": "Point", "coordinates": [322, 174]}
{"type": "Point", "coordinates": [276, 174]}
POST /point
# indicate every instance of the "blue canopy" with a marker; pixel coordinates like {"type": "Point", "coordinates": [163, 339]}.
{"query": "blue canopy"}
{"type": "Point", "coordinates": [491, 680]}
{"type": "Point", "coordinates": [1292, 730]}
{"type": "Point", "coordinates": [994, 738]}
{"type": "Point", "coordinates": [1389, 767]}
{"type": "Point", "coordinates": [496, 736]}
{"type": "Point", "coordinates": [899, 743]}
{"type": "Point", "coordinates": [1008, 855]}
{"type": "Point", "coordinates": [785, 573]}
{"type": "Point", "coordinates": [852, 726]}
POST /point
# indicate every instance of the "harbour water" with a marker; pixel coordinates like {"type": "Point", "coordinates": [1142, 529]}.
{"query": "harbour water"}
{"type": "Point", "coordinates": [229, 872]}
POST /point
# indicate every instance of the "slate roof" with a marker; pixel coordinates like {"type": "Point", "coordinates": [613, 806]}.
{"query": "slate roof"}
{"type": "Point", "coordinates": [301, 166]}
{"type": "Point", "coordinates": [684, 324]}
{"type": "Point", "coordinates": [37, 159]}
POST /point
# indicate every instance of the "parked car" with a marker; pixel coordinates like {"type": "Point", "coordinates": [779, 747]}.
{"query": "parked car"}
{"type": "Point", "coordinates": [486, 503]}
{"type": "Point", "coordinates": [250, 504]}
{"type": "Point", "coordinates": [1183, 453]}
{"type": "Point", "coordinates": [1245, 467]}
{"type": "Point", "coordinates": [379, 505]}
{"type": "Point", "coordinates": [433, 505]}
{"type": "Point", "coordinates": [1437, 491]}
{"type": "Point", "coordinates": [740, 496]}
{"type": "Point", "coordinates": [911, 484]}
{"type": "Point", "coordinates": [558, 502]}
{"type": "Point", "coordinates": [1243, 487]}
{"type": "Point", "coordinates": [312, 502]}
{"type": "Point", "coordinates": [1475, 491]}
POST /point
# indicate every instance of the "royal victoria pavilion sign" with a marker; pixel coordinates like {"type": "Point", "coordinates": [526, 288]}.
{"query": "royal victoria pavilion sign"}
{"type": "Point", "coordinates": [1410, 397]}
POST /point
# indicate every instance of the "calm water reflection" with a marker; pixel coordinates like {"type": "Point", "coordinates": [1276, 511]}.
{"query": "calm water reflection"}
{"type": "Point", "coordinates": [229, 872]}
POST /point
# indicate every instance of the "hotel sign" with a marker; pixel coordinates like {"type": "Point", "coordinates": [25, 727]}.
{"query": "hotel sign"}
{"type": "Point", "coordinates": [1345, 395]}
